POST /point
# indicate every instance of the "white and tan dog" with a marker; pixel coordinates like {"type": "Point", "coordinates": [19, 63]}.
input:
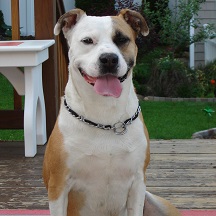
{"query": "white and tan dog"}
{"type": "Point", "coordinates": [98, 152]}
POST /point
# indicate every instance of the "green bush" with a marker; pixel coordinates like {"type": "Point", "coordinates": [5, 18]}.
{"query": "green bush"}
{"type": "Point", "coordinates": [173, 26]}
{"type": "Point", "coordinates": [143, 69]}
{"type": "Point", "coordinates": [3, 26]}
{"type": "Point", "coordinates": [170, 77]}
{"type": "Point", "coordinates": [106, 7]}
{"type": "Point", "coordinates": [204, 75]}
{"type": "Point", "coordinates": [141, 76]}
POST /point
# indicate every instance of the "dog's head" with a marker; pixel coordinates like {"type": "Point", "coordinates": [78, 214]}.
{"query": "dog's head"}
{"type": "Point", "coordinates": [102, 49]}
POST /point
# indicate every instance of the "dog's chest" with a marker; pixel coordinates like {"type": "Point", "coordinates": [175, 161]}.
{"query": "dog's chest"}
{"type": "Point", "coordinates": [106, 153]}
{"type": "Point", "coordinates": [103, 165]}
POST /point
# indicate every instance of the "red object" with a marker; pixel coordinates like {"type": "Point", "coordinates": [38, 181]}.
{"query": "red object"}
{"type": "Point", "coordinates": [198, 212]}
{"type": "Point", "coordinates": [47, 213]}
{"type": "Point", "coordinates": [24, 212]}
{"type": "Point", "coordinates": [10, 43]}
{"type": "Point", "coordinates": [212, 82]}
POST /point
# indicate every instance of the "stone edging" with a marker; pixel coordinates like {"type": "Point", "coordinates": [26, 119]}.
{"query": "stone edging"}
{"type": "Point", "coordinates": [205, 134]}
{"type": "Point", "coordinates": [153, 98]}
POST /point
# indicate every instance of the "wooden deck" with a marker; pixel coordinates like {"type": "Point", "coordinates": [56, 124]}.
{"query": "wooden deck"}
{"type": "Point", "coordinates": [182, 171]}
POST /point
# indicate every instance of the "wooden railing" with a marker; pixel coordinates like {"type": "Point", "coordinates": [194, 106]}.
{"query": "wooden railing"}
{"type": "Point", "coordinates": [16, 36]}
{"type": "Point", "coordinates": [62, 50]}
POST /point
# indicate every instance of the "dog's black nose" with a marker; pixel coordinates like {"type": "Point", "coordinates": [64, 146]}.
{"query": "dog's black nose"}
{"type": "Point", "coordinates": [108, 63]}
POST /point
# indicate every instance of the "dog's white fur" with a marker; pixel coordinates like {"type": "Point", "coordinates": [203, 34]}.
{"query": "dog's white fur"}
{"type": "Point", "coordinates": [102, 172]}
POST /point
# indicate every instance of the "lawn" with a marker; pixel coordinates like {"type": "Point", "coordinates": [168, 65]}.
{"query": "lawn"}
{"type": "Point", "coordinates": [165, 120]}
{"type": "Point", "coordinates": [6, 102]}
{"type": "Point", "coordinates": [176, 120]}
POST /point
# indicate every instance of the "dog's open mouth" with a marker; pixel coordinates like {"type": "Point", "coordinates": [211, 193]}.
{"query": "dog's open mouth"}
{"type": "Point", "coordinates": [107, 85]}
{"type": "Point", "coordinates": [89, 79]}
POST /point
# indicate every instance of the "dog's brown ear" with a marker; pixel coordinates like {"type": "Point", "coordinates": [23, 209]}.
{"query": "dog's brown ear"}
{"type": "Point", "coordinates": [136, 21]}
{"type": "Point", "coordinates": [68, 20]}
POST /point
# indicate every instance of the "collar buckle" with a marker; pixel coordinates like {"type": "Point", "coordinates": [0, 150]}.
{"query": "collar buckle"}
{"type": "Point", "coordinates": [120, 128]}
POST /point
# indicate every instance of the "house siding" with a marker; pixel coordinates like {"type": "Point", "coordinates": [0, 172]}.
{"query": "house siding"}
{"type": "Point", "coordinates": [207, 14]}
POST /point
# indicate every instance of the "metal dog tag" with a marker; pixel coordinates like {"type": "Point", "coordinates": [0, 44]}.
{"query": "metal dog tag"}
{"type": "Point", "coordinates": [119, 128]}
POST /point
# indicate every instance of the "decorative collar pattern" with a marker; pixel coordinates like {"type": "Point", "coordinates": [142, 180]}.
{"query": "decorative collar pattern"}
{"type": "Point", "coordinates": [119, 127]}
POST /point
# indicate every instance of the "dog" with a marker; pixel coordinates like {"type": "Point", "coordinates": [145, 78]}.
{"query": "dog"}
{"type": "Point", "coordinates": [98, 152]}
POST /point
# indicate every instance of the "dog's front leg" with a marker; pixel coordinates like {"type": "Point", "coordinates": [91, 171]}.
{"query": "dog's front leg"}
{"type": "Point", "coordinates": [58, 207]}
{"type": "Point", "coordinates": [136, 196]}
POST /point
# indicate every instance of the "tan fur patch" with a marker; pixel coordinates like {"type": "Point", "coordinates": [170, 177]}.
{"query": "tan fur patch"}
{"type": "Point", "coordinates": [55, 172]}
{"type": "Point", "coordinates": [75, 203]}
{"type": "Point", "coordinates": [129, 51]}
{"type": "Point", "coordinates": [54, 167]}
{"type": "Point", "coordinates": [135, 20]}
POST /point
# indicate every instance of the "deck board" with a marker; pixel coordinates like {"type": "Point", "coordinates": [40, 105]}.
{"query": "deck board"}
{"type": "Point", "coordinates": [182, 171]}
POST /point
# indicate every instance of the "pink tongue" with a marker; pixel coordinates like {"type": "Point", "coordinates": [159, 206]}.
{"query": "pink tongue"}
{"type": "Point", "coordinates": [108, 86]}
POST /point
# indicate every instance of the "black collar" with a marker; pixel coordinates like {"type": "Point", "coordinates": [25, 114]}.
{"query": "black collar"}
{"type": "Point", "coordinates": [119, 128]}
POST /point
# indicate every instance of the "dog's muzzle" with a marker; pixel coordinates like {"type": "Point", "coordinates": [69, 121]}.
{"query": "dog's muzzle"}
{"type": "Point", "coordinates": [108, 63]}
{"type": "Point", "coordinates": [108, 84]}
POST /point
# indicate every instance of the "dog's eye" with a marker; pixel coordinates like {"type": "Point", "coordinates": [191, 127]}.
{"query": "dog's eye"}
{"type": "Point", "coordinates": [120, 39]}
{"type": "Point", "coordinates": [87, 41]}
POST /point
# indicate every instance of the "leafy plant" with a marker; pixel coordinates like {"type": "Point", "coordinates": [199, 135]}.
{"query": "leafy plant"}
{"type": "Point", "coordinates": [202, 76]}
{"type": "Point", "coordinates": [106, 7]}
{"type": "Point", "coordinates": [4, 29]}
{"type": "Point", "coordinates": [120, 4]}
{"type": "Point", "coordinates": [173, 25]}
{"type": "Point", "coordinates": [167, 76]}
{"type": "Point", "coordinates": [170, 77]}
{"type": "Point", "coordinates": [143, 69]}
{"type": "Point", "coordinates": [1, 18]}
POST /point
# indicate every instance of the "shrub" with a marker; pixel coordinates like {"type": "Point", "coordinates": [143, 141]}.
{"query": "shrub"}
{"type": "Point", "coordinates": [204, 75]}
{"type": "Point", "coordinates": [5, 30]}
{"type": "Point", "coordinates": [143, 69]}
{"type": "Point", "coordinates": [172, 26]}
{"type": "Point", "coordinates": [106, 7]}
{"type": "Point", "coordinates": [3, 26]}
{"type": "Point", "coordinates": [168, 75]}
{"type": "Point", "coordinates": [141, 76]}
{"type": "Point", "coordinates": [130, 4]}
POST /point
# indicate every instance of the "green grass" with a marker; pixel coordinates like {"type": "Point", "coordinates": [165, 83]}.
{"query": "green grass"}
{"type": "Point", "coordinates": [164, 120]}
{"type": "Point", "coordinates": [176, 120]}
{"type": "Point", "coordinates": [6, 103]}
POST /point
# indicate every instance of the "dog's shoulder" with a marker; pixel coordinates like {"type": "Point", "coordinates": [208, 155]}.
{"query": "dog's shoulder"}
{"type": "Point", "coordinates": [54, 161]}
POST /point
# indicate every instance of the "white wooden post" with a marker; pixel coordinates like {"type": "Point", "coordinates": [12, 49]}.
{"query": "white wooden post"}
{"type": "Point", "coordinates": [192, 46]}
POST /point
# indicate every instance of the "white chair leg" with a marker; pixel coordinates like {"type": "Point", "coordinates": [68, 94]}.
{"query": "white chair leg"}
{"type": "Point", "coordinates": [41, 114]}
{"type": "Point", "coordinates": [31, 97]}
